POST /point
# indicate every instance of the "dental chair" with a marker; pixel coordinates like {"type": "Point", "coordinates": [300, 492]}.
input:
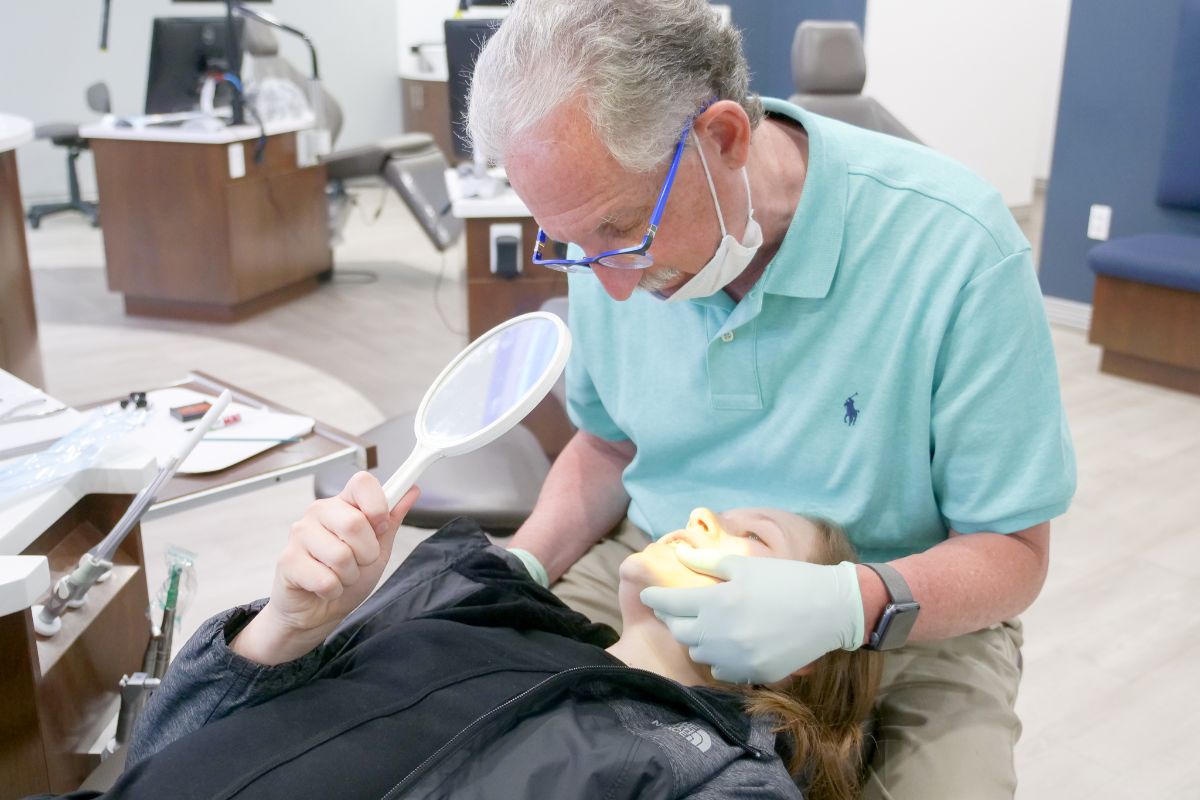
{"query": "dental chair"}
{"type": "Point", "coordinates": [410, 163]}
{"type": "Point", "coordinates": [829, 70]}
{"type": "Point", "coordinates": [496, 485]}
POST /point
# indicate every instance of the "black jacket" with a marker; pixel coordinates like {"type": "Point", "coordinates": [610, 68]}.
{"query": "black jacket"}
{"type": "Point", "coordinates": [459, 677]}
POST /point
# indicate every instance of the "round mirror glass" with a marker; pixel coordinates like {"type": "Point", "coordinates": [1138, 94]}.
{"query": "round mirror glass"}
{"type": "Point", "coordinates": [493, 377]}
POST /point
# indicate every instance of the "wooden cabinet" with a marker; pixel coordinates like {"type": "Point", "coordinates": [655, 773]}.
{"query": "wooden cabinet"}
{"type": "Point", "coordinates": [185, 239]}
{"type": "Point", "coordinates": [492, 299]}
{"type": "Point", "coordinates": [57, 695]}
{"type": "Point", "coordinates": [426, 109]}
{"type": "Point", "coordinates": [1149, 333]}
{"type": "Point", "coordinates": [18, 321]}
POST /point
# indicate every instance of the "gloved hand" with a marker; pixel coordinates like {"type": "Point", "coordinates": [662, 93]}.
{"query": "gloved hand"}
{"type": "Point", "coordinates": [535, 568]}
{"type": "Point", "coordinates": [768, 619]}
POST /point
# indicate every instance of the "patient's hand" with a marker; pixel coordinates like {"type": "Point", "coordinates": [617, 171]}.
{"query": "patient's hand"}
{"type": "Point", "coordinates": [334, 557]}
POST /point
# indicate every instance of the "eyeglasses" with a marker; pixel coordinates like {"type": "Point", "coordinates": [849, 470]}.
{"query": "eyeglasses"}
{"type": "Point", "coordinates": [636, 257]}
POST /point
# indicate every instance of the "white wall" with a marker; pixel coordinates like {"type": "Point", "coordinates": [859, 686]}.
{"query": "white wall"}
{"type": "Point", "coordinates": [49, 54]}
{"type": "Point", "coordinates": [1049, 49]}
{"type": "Point", "coordinates": [976, 81]}
{"type": "Point", "coordinates": [420, 22]}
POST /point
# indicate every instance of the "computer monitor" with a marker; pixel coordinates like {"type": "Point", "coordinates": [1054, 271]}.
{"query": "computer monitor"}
{"type": "Point", "coordinates": [182, 51]}
{"type": "Point", "coordinates": [464, 39]}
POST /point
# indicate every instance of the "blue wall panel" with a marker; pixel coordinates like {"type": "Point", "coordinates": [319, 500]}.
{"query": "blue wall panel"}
{"type": "Point", "coordinates": [1108, 148]}
{"type": "Point", "coordinates": [768, 27]}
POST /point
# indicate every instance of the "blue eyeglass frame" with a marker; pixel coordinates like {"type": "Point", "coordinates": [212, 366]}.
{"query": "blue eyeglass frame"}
{"type": "Point", "coordinates": [585, 264]}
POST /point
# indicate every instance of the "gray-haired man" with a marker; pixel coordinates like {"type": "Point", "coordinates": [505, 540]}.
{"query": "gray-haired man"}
{"type": "Point", "coordinates": [817, 318]}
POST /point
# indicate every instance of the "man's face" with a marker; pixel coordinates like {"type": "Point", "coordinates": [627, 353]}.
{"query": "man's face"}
{"type": "Point", "coordinates": [579, 193]}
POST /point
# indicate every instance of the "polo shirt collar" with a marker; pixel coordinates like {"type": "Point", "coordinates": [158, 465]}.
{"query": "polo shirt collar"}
{"type": "Point", "coordinates": [809, 255]}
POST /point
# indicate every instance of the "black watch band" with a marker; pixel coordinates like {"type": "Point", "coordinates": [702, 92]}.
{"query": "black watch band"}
{"type": "Point", "coordinates": [900, 613]}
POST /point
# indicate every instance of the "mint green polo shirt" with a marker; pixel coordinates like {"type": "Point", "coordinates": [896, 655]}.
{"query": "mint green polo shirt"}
{"type": "Point", "coordinates": [892, 370]}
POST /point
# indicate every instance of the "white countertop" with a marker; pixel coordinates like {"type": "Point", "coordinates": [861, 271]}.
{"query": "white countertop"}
{"type": "Point", "coordinates": [504, 204]}
{"type": "Point", "coordinates": [124, 469]}
{"type": "Point", "coordinates": [108, 129]}
{"type": "Point", "coordinates": [23, 581]}
{"type": "Point", "coordinates": [14, 132]}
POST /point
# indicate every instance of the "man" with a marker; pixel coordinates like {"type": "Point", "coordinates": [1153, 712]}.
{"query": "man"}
{"type": "Point", "coordinates": [786, 311]}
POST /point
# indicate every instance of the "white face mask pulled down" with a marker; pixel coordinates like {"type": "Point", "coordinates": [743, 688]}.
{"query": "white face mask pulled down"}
{"type": "Point", "coordinates": [732, 257]}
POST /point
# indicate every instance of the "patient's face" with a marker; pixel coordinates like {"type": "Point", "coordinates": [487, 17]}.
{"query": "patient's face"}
{"type": "Point", "coordinates": [760, 532]}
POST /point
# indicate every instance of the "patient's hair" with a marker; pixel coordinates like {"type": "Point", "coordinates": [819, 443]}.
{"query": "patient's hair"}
{"type": "Point", "coordinates": [824, 709]}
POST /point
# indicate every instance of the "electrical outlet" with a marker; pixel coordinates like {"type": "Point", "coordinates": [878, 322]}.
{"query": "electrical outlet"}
{"type": "Point", "coordinates": [505, 241]}
{"type": "Point", "coordinates": [1099, 221]}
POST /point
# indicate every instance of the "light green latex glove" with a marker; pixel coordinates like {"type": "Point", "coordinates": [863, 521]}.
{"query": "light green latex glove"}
{"type": "Point", "coordinates": [535, 568]}
{"type": "Point", "coordinates": [769, 617]}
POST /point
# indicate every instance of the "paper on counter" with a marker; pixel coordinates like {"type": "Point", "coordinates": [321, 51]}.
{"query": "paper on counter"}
{"type": "Point", "coordinates": [18, 437]}
{"type": "Point", "coordinates": [163, 434]}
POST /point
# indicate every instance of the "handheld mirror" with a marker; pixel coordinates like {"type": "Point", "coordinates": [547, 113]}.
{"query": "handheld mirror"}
{"type": "Point", "coordinates": [486, 390]}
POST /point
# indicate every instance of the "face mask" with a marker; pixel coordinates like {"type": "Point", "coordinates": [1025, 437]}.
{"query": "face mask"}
{"type": "Point", "coordinates": [732, 257]}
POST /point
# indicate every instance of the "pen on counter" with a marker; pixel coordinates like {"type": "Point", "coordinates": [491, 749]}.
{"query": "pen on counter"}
{"type": "Point", "coordinates": [223, 422]}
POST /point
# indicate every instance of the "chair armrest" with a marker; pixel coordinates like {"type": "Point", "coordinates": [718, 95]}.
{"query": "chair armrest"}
{"type": "Point", "coordinates": [369, 159]}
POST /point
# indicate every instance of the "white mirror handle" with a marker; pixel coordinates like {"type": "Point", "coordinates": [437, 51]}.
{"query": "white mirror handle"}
{"type": "Point", "coordinates": [403, 478]}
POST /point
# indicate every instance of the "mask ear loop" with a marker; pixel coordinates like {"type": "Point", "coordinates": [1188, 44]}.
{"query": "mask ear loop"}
{"type": "Point", "coordinates": [749, 199]}
{"type": "Point", "coordinates": [713, 189]}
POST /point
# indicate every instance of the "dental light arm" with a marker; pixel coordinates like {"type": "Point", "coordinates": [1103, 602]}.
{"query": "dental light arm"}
{"type": "Point", "coordinates": [71, 589]}
{"type": "Point", "coordinates": [275, 22]}
{"type": "Point", "coordinates": [318, 140]}
{"type": "Point", "coordinates": [104, 25]}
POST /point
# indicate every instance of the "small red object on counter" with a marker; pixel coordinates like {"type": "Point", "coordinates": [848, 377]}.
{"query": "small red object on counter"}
{"type": "Point", "coordinates": [190, 412]}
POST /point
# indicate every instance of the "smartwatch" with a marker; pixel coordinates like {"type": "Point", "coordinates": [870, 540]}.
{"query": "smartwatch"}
{"type": "Point", "coordinates": [898, 615]}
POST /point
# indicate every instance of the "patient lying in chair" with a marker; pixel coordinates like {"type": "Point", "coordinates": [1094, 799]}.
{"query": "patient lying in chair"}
{"type": "Point", "coordinates": [461, 677]}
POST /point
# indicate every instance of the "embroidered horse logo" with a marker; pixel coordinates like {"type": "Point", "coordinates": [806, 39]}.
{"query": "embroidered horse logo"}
{"type": "Point", "coordinates": [851, 412]}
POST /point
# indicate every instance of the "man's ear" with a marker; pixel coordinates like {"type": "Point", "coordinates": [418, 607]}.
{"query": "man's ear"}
{"type": "Point", "coordinates": [725, 123]}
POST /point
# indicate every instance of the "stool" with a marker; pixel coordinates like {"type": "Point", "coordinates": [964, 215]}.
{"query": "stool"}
{"type": "Point", "coordinates": [1146, 308]}
{"type": "Point", "coordinates": [65, 134]}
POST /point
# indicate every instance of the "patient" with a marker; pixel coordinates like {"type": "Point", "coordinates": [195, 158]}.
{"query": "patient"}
{"type": "Point", "coordinates": [820, 708]}
{"type": "Point", "coordinates": [462, 677]}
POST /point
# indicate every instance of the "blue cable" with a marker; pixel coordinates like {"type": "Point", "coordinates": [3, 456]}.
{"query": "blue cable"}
{"type": "Point", "coordinates": [233, 80]}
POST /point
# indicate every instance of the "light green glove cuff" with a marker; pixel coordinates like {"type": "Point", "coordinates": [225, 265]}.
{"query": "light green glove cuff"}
{"type": "Point", "coordinates": [854, 606]}
{"type": "Point", "coordinates": [538, 573]}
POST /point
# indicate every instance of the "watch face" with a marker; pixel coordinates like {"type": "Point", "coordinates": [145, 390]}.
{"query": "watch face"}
{"type": "Point", "coordinates": [896, 624]}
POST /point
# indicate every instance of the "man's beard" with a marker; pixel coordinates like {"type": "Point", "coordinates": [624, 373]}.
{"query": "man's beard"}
{"type": "Point", "coordinates": [660, 279]}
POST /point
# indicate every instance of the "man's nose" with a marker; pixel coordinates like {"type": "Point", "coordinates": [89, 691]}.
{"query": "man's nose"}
{"type": "Point", "coordinates": [619, 283]}
{"type": "Point", "coordinates": [704, 523]}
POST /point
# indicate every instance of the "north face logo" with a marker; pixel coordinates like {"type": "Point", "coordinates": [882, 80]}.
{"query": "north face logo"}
{"type": "Point", "coordinates": [693, 733]}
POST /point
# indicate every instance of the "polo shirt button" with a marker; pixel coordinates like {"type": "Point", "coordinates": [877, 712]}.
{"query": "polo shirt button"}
{"type": "Point", "coordinates": [727, 336]}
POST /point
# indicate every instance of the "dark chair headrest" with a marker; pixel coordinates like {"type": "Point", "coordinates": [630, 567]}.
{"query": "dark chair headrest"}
{"type": "Point", "coordinates": [98, 98]}
{"type": "Point", "coordinates": [827, 58]}
{"type": "Point", "coordinates": [1179, 179]}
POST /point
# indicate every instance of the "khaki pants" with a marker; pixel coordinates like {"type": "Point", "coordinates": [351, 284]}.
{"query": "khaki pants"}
{"type": "Point", "coordinates": [590, 585]}
{"type": "Point", "coordinates": [946, 725]}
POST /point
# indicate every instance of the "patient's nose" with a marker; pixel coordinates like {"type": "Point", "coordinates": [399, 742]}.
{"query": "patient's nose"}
{"type": "Point", "coordinates": [704, 523]}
